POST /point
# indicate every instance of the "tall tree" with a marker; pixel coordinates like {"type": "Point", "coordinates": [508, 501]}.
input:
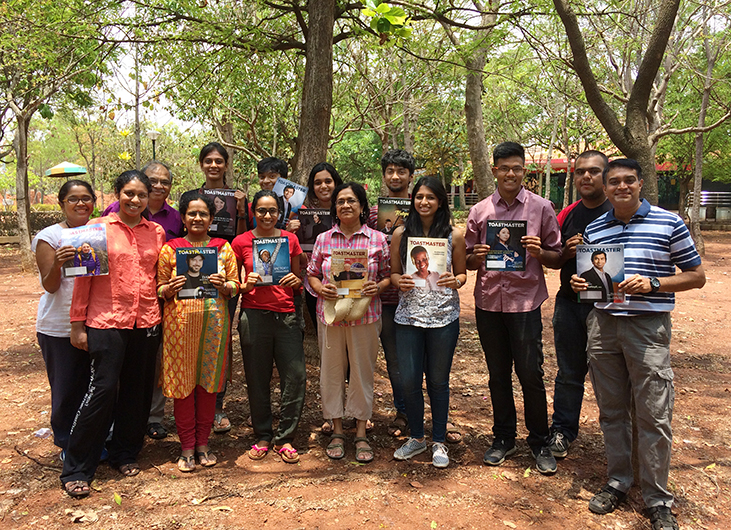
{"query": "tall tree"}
{"type": "Point", "coordinates": [46, 49]}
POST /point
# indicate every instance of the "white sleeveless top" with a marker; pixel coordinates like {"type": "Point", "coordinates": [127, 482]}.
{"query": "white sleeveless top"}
{"type": "Point", "coordinates": [53, 309]}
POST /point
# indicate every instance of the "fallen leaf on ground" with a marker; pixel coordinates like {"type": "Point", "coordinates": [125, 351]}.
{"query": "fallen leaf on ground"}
{"type": "Point", "coordinates": [416, 484]}
{"type": "Point", "coordinates": [81, 516]}
{"type": "Point", "coordinates": [526, 473]}
{"type": "Point", "coordinates": [511, 525]}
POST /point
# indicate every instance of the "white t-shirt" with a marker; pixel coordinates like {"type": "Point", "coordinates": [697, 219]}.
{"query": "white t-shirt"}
{"type": "Point", "coordinates": [53, 309]}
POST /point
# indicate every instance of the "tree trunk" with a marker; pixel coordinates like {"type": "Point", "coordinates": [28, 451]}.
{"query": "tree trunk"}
{"type": "Point", "coordinates": [21, 193]}
{"type": "Point", "coordinates": [695, 225]}
{"type": "Point", "coordinates": [314, 127]}
{"type": "Point", "coordinates": [482, 173]}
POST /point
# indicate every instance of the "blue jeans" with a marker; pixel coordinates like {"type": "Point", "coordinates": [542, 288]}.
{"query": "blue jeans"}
{"type": "Point", "coordinates": [427, 350]}
{"type": "Point", "coordinates": [509, 338]}
{"type": "Point", "coordinates": [388, 343]}
{"type": "Point", "coordinates": [569, 336]}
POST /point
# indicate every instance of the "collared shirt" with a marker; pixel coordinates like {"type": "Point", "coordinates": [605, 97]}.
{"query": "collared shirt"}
{"type": "Point", "coordinates": [125, 298]}
{"type": "Point", "coordinates": [519, 291]}
{"type": "Point", "coordinates": [167, 217]}
{"type": "Point", "coordinates": [655, 242]}
{"type": "Point", "coordinates": [379, 264]}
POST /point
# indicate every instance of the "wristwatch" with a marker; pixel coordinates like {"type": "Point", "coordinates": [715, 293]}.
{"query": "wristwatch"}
{"type": "Point", "coordinates": [654, 285]}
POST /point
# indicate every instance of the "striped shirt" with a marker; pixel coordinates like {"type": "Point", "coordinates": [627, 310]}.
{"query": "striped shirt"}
{"type": "Point", "coordinates": [655, 242]}
{"type": "Point", "coordinates": [379, 264]}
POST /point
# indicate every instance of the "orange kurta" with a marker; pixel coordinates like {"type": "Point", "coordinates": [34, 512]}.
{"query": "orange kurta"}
{"type": "Point", "coordinates": [195, 338]}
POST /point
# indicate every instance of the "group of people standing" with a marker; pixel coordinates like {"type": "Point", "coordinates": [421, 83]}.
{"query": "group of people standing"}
{"type": "Point", "coordinates": [101, 361]}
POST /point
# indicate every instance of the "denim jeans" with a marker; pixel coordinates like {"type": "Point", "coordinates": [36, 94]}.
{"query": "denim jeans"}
{"type": "Point", "coordinates": [388, 343]}
{"type": "Point", "coordinates": [430, 351]}
{"type": "Point", "coordinates": [509, 338]}
{"type": "Point", "coordinates": [569, 336]}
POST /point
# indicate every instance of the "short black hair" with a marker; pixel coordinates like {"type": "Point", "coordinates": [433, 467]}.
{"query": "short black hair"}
{"type": "Point", "coordinates": [400, 158]}
{"type": "Point", "coordinates": [630, 163]}
{"type": "Point", "coordinates": [265, 193]}
{"type": "Point", "coordinates": [272, 165]}
{"type": "Point", "coordinates": [598, 253]}
{"type": "Point", "coordinates": [506, 150]}
{"type": "Point", "coordinates": [66, 188]}
{"type": "Point", "coordinates": [189, 257]}
{"type": "Point", "coordinates": [288, 187]}
{"type": "Point", "coordinates": [418, 250]}
{"type": "Point", "coordinates": [590, 153]}
{"type": "Point", "coordinates": [360, 194]}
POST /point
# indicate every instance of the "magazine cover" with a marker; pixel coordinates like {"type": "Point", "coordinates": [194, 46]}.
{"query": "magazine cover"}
{"type": "Point", "coordinates": [313, 222]}
{"type": "Point", "coordinates": [392, 212]}
{"type": "Point", "coordinates": [506, 251]}
{"type": "Point", "coordinates": [349, 269]}
{"type": "Point", "coordinates": [603, 267]}
{"type": "Point", "coordinates": [426, 260]}
{"type": "Point", "coordinates": [196, 264]}
{"type": "Point", "coordinates": [270, 259]}
{"type": "Point", "coordinates": [292, 197]}
{"type": "Point", "coordinates": [91, 258]}
{"type": "Point", "coordinates": [224, 218]}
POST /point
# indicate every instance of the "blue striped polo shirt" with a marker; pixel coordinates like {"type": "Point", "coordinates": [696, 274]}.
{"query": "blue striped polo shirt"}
{"type": "Point", "coordinates": [655, 242]}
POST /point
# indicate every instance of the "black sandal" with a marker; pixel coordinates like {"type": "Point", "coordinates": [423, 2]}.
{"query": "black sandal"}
{"type": "Point", "coordinates": [398, 426]}
{"type": "Point", "coordinates": [607, 500]}
{"type": "Point", "coordinates": [156, 431]}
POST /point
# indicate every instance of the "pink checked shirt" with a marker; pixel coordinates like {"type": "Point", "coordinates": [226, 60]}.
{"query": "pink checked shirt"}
{"type": "Point", "coordinates": [379, 264]}
{"type": "Point", "coordinates": [513, 292]}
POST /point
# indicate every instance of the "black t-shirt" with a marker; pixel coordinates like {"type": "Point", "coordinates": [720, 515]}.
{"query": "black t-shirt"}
{"type": "Point", "coordinates": [575, 223]}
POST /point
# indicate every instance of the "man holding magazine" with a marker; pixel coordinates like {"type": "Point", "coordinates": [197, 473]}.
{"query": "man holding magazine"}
{"type": "Point", "coordinates": [629, 358]}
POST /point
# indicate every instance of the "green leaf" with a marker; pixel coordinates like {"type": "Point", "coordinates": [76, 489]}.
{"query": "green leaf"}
{"type": "Point", "coordinates": [383, 26]}
{"type": "Point", "coordinates": [526, 473]}
{"type": "Point", "coordinates": [383, 8]}
{"type": "Point", "coordinates": [368, 12]}
{"type": "Point", "coordinates": [118, 498]}
{"type": "Point", "coordinates": [46, 111]}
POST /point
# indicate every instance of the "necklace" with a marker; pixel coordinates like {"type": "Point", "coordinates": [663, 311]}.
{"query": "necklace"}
{"type": "Point", "coordinates": [205, 243]}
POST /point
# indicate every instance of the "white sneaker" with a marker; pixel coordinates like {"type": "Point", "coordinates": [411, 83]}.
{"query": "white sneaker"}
{"type": "Point", "coordinates": [439, 456]}
{"type": "Point", "coordinates": [412, 447]}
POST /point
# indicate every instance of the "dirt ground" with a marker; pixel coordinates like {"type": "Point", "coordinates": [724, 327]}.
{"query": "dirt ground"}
{"type": "Point", "coordinates": [320, 493]}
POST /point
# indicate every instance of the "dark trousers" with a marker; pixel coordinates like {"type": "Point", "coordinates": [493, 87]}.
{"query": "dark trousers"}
{"type": "Point", "coordinates": [569, 336]}
{"type": "Point", "coordinates": [269, 338]}
{"type": "Point", "coordinates": [507, 339]}
{"type": "Point", "coordinates": [388, 343]}
{"type": "Point", "coordinates": [122, 373]}
{"type": "Point", "coordinates": [68, 370]}
{"type": "Point", "coordinates": [426, 351]}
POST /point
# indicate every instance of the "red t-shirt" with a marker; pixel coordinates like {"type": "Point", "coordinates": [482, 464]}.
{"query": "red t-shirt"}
{"type": "Point", "coordinates": [269, 297]}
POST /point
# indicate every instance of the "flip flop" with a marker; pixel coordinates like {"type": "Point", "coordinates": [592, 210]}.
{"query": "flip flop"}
{"type": "Point", "coordinates": [257, 453]}
{"type": "Point", "coordinates": [186, 464]}
{"type": "Point", "coordinates": [288, 454]}
{"type": "Point", "coordinates": [206, 458]}
{"type": "Point", "coordinates": [77, 488]}
{"type": "Point", "coordinates": [333, 446]}
{"type": "Point", "coordinates": [360, 450]}
{"type": "Point", "coordinates": [218, 420]}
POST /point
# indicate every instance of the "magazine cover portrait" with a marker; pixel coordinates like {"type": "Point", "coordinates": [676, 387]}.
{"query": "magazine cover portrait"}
{"type": "Point", "coordinates": [196, 264]}
{"type": "Point", "coordinates": [506, 251]}
{"type": "Point", "coordinates": [90, 242]}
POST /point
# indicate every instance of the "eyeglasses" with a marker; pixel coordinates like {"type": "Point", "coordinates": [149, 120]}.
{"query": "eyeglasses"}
{"type": "Point", "coordinates": [202, 215]}
{"type": "Point", "coordinates": [593, 171]}
{"type": "Point", "coordinates": [163, 183]}
{"type": "Point", "coordinates": [268, 176]}
{"type": "Point", "coordinates": [343, 202]}
{"type": "Point", "coordinates": [264, 211]}
{"type": "Point", "coordinates": [76, 200]}
{"type": "Point", "coordinates": [517, 170]}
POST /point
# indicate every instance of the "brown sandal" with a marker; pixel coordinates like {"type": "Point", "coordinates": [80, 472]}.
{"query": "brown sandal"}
{"type": "Point", "coordinates": [206, 458]}
{"type": "Point", "coordinates": [77, 488]}
{"type": "Point", "coordinates": [186, 464]}
{"type": "Point", "coordinates": [130, 470]}
{"type": "Point", "coordinates": [257, 453]}
{"type": "Point", "coordinates": [288, 454]}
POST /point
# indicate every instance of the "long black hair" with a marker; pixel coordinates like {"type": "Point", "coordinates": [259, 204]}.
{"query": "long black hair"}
{"type": "Point", "coordinates": [312, 199]}
{"type": "Point", "coordinates": [214, 146]}
{"type": "Point", "coordinates": [441, 226]}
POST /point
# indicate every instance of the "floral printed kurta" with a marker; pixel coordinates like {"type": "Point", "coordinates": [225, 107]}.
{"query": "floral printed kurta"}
{"type": "Point", "coordinates": [195, 336]}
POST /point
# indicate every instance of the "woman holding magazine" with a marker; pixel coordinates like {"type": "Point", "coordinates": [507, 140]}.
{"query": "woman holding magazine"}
{"type": "Point", "coordinates": [427, 319]}
{"type": "Point", "coordinates": [348, 328]}
{"type": "Point", "coordinates": [67, 366]}
{"type": "Point", "coordinates": [195, 339]}
{"type": "Point", "coordinates": [213, 161]}
{"type": "Point", "coordinates": [269, 329]}
{"type": "Point", "coordinates": [116, 318]}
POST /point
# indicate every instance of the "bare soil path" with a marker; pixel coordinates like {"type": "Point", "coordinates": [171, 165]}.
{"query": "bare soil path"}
{"type": "Point", "coordinates": [320, 493]}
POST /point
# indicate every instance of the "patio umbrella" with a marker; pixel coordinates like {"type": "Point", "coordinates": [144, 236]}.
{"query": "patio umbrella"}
{"type": "Point", "coordinates": [65, 169]}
